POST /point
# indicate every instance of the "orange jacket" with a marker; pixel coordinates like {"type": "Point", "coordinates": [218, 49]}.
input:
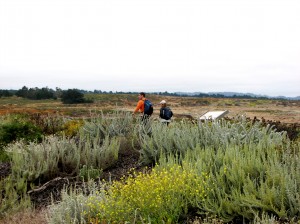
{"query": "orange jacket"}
{"type": "Point", "coordinates": [140, 106]}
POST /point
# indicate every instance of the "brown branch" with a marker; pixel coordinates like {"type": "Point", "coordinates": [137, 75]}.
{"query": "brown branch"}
{"type": "Point", "coordinates": [44, 186]}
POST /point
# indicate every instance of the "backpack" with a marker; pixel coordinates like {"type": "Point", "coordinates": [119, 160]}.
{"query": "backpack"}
{"type": "Point", "coordinates": [148, 108]}
{"type": "Point", "coordinates": [167, 113]}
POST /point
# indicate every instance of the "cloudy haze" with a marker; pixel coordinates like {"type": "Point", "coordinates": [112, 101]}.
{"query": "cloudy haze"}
{"type": "Point", "coordinates": [249, 46]}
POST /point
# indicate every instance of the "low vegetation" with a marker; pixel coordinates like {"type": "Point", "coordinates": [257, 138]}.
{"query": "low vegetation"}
{"type": "Point", "coordinates": [234, 170]}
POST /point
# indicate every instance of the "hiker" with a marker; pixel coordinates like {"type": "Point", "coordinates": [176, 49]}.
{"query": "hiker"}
{"type": "Point", "coordinates": [165, 113]}
{"type": "Point", "coordinates": [143, 106]}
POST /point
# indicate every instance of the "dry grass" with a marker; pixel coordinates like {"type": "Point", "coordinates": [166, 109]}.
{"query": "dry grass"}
{"type": "Point", "coordinates": [26, 217]}
{"type": "Point", "coordinates": [276, 110]}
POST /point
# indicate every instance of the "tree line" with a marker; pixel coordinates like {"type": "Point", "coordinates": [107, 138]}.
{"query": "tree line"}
{"type": "Point", "coordinates": [77, 95]}
{"type": "Point", "coordinates": [69, 96]}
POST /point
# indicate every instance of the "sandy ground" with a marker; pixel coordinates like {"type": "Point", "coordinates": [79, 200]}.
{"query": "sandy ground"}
{"type": "Point", "coordinates": [276, 110]}
{"type": "Point", "coordinates": [284, 115]}
{"type": "Point", "coordinates": [285, 112]}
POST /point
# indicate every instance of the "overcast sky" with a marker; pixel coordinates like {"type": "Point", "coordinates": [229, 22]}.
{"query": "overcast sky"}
{"type": "Point", "coordinates": [248, 46]}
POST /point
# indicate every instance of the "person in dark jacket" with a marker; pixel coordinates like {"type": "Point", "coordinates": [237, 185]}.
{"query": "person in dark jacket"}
{"type": "Point", "coordinates": [165, 113]}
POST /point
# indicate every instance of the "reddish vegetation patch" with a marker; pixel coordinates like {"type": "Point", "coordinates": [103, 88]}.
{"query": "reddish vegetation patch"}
{"type": "Point", "coordinates": [24, 111]}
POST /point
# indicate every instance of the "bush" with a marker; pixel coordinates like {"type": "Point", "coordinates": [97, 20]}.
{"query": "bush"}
{"type": "Point", "coordinates": [72, 96]}
{"type": "Point", "coordinates": [17, 130]}
{"type": "Point", "coordinates": [3, 156]}
{"type": "Point", "coordinates": [55, 155]}
{"type": "Point", "coordinates": [13, 196]}
{"type": "Point", "coordinates": [71, 128]}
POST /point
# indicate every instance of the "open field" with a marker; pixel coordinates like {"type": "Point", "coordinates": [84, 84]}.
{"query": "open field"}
{"type": "Point", "coordinates": [276, 110]}
{"type": "Point", "coordinates": [240, 160]}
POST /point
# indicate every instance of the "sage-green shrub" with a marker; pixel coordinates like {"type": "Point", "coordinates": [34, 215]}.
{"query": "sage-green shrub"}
{"type": "Point", "coordinates": [248, 182]}
{"type": "Point", "coordinates": [61, 156]}
{"type": "Point", "coordinates": [113, 124]}
{"type": "Point", "coordinates": [73, 207]}
{"type": "Point", "coordinates": [86, 173]}
{"type": "Point", "coordinates": [180, 137]}
{"type": "Point", "coordinates": [248, 178]}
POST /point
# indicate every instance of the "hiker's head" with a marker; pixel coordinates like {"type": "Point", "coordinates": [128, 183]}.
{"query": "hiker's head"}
{"type": "Point", "coordinates": [142, 95]}
{"type": "Point", "coordinates": [163, 103]}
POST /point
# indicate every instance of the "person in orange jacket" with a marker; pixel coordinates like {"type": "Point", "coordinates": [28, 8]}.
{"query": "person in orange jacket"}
{"type": "Point", "coordinates": [140, 105]}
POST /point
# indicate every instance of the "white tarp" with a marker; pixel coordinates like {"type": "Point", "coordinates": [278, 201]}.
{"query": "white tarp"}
{"type": "Point", "coordinates": [213, 115]}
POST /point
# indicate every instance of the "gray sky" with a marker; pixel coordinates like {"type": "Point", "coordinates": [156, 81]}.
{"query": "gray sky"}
{"type": "Point", "coordinates": [249, 46]}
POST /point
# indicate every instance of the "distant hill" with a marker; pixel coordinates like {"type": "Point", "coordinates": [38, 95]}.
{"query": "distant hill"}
{"type": "Point", "coordinates": [235, 94]}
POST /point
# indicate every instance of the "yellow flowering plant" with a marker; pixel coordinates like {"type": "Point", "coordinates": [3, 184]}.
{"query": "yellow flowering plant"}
{"type": "Point", "coordinates": [164, 194]}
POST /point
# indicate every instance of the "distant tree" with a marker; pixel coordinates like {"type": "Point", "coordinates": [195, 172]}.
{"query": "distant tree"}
{"type": "Point", "coordinates": [31, 93]}
{"type": "Point", "coordinates": [58, 92]}
{"type": "Point", "coordinates": [5, 93]}
{"type": "Point", "coordinates": [22, 92]}
{"type": "Point", "coordinates": [72, 96]}
{"type": "Point", "coordinates": [36, 93]}
{"type": "Point", "coordinates": [45, 93]}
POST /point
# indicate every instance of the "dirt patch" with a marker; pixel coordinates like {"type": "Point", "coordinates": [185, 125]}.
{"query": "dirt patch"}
{"type": "Point", "coordinates": [41, 196]}
{"type": "Point", "coordinates": [5, 170]}
{"type": "Point", "coordinates": [123, 167]}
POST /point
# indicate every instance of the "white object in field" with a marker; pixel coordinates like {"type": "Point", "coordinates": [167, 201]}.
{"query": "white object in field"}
{"type": "Point", "coordinates": [214, 115]}
{"type": "Point", "coordinates": [165, 121]}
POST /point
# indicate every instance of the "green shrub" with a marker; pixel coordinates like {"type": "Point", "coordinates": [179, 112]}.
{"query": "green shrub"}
{"type": "Point", "coordinates": [4, 157]}
{"type": "Point", "coordinates": [13, 195]}
{"type": "Point", "coordinates": [86, 173]}
{"type": "Point", "coordinates": [72, 96]}
{"type": "Point", "coordinates": [17, 130]}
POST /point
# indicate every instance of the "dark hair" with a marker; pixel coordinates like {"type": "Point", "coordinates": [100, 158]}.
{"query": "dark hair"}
{"type": "Point", "coordinates": [143, 94]}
